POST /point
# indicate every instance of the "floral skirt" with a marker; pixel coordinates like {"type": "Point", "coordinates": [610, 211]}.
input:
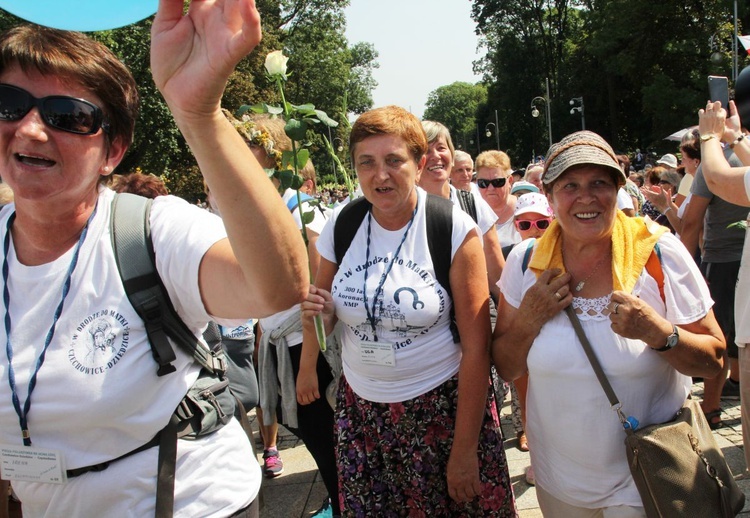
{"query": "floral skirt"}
{"type": "Point", "coordinates": [392, 457]}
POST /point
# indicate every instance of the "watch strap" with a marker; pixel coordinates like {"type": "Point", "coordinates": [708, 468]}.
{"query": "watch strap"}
{"type": "Point", "coordinates": [670, 341]}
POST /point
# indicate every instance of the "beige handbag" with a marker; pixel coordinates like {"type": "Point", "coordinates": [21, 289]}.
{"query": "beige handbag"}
{"type": "Point", "coordinates": [677, 466]}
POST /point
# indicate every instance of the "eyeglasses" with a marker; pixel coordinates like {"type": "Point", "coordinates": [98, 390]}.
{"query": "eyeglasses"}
{"type": "Point", "coordinates": [525, 224]}
{"type": "Point", "coordinates": [58, 111]}
{"type": "Point", "coordinates": [483, 183]}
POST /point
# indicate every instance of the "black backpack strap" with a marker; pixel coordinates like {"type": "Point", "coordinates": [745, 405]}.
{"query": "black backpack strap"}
{"type": "Point", "coordinates": [134, 253]}
{"type": "Point", "coordinates": [439, 214]}
{"type": "Point", "coordinates": [467, 203]}
{"type": "Point", "coordinates": [347, 224]}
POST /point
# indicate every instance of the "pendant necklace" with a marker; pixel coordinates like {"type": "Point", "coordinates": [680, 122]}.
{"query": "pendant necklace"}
{"type": "Point", "coordinates": [582, 283]}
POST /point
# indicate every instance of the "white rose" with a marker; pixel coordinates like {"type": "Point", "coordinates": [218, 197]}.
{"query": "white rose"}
{"type": "Point", "coordinates": [276, 63]}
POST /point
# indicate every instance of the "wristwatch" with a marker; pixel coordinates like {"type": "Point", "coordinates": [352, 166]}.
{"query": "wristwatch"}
{"type": "Point", "coordinates": [671, 340]}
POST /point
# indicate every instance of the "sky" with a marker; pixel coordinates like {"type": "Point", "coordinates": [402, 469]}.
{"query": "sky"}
{"type": "Point", "coordinates": [423, 44]}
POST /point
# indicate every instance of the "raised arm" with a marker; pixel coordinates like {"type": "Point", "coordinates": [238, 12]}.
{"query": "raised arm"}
{"type": "Point", "coordinates": [261, 269]}
{"type": "Point", "coordinates": [725, 181]}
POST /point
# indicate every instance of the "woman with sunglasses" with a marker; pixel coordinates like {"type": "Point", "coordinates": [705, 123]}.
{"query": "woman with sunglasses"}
{"type": "Point", "coordinates": [493, 180]}
{"type": "Point", "coordinates": [646, 312]}
{"type": "Point", "coordinates": [79, 368]}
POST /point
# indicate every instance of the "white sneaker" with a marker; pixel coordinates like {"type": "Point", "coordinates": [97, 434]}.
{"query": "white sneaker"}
{"type": "Point", "coordinates": [529, 474]}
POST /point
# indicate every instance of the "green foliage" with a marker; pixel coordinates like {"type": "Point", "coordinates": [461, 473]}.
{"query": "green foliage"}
{"type": "Point", "coordinates": [640, 66]}
{"type": "Point", "coordinates": [456, 107]}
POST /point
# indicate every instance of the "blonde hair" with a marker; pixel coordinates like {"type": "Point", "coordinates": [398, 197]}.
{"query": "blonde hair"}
{"type": "Point", "coordinates": [493, 158]}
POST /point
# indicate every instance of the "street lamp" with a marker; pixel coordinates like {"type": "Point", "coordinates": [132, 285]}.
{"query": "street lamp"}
{"type": "Point", "coordinates": [535, 111]}
{"type": "Point", "coordinates": [579, 109]}
{"type": "Point", "coordinates": [340, 147]}
{"type": "Point", "coordinates": [488, 132]}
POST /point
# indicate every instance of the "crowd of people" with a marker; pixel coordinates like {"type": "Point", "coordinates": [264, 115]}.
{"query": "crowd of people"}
{"type": "Point", "coordinates": [441, 288]}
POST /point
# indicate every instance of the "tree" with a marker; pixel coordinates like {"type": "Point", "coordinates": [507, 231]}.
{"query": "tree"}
{"type": "Point", "coordinates": [456, 107]}
{"type": "Point", "coordinates": [640, 66]}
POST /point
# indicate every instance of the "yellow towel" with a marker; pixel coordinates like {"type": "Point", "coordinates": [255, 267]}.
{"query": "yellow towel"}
{"type": "Point", "coordinates": [633, 239]}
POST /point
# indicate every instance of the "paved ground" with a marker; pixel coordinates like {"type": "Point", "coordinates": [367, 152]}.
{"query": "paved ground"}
{"type": "Point", "coordinates": [299, 491]}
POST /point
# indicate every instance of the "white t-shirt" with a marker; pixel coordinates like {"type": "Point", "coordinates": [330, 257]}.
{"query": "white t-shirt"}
{"type": "Point", "coordinates": [577, 440]}
{"type": "Point", "coordinates": [97, 394]}
{"type": "Point", "coordinates": [624, 201]}
{"type": "Point", "coordinates": [486, 217]}
{"type": "Point", "coordinates": [321, 216]}
{"type": "Point", "coordinates": [742, 294]}
{"type": "Point", "coordinates": [414, 313]}
{"type": "Point", "coordinates": [507, 233]}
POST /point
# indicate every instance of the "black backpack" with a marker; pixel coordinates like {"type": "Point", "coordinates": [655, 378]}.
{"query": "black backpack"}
{"type": "Point", "coordinates": [209, 404]}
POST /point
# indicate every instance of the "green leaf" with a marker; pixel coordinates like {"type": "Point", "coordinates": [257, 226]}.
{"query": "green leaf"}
{"type": "Point", "coordinates": [307, 217]}
{"type": "Point", "coordinates": [325, 119]}
{"type": "Point", "coordinates": [295, 129]}
{"type": "Point", "coordinates": [742, 225]}
{"type": "Point", "coordinates": [287, 159]}
{"type": "Point", "coordinates": [305, 108]}
{"type": "Point", "coordinates": [303, 155]}
{"type": "Point", "coordinates": [297, 182]}
{"type": "Point", "coordinates": [256, 108]}
{"type": "Point", "coordinates": [275, 110]}
{"type": "Point", "coordinates": [286, 179]}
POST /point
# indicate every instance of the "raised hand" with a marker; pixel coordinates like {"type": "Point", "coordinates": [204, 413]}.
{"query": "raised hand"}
{"type": "Point", "coordinates": [193, 53]}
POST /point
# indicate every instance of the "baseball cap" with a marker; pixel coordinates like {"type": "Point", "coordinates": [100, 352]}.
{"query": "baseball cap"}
{"type": "Point", "coordinates": [580, 148]}
{"type": "Point", "coordinates": [668, 160]}
{"type": "Point", "coordinates": [533, 202]}
{"type": "Point", "coordinates": [522, 185]}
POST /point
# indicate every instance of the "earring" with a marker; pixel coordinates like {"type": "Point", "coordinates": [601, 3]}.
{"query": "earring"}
{"type": "Point", "coordinates": [106, 169]}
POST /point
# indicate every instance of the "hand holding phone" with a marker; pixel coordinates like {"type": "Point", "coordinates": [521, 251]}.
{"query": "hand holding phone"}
{"type": "Point", "coordinates": [718, 90]}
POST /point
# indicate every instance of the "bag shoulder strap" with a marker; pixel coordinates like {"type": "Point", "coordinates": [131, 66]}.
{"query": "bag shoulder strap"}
{"type": "Point", "coordinates": [467, 203]}
{"type": "Point", "coordinates": [654, 269]}
{"type": "Point", "coordinates": [527, 255]}
{"type": "Point", "coordinates": [130, 232]}
{"type": "Point", "coordinates": [347, 224]}
{"type": "Point", "coordinates": [439, 214]}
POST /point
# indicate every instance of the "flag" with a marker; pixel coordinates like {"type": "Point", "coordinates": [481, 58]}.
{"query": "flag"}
{"type": "Point", "coordinates": [745, 40]}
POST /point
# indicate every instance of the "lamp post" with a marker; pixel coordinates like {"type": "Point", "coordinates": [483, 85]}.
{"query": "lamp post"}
{"type": "Point", "coordinates": [579, 108]}
{"type": "Point", "coordinates": [340, 147]}
{"type": "Point", "coordinates": [488, 132]}
{"type": "Point", "coordinates": [535, 112]}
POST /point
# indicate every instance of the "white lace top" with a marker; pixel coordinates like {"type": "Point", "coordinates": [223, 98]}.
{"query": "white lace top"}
{"type": "Point", "coordinates": [577, 441]}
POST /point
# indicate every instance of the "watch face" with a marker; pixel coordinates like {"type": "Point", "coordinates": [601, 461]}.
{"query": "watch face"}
{"type": "Point", "coordinates": [673, 339]}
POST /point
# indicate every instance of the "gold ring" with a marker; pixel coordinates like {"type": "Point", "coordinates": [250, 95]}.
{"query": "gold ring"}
{"type": "Point", "coordinates": [614, 309]}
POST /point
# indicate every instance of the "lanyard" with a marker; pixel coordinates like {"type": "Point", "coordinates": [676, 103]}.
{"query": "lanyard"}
{"type": "Point", "coordinates": [379, 288]}
{"type": "Point", "coordinates": [23, 413]}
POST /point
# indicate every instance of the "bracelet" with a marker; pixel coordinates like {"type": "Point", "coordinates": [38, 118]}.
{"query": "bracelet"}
{"type": "Point", "coordinates": [737, 141]}
{"type": "Point", "coordinates": [706, 138]}
{"type": "Point", "coordinates": [667, 210]}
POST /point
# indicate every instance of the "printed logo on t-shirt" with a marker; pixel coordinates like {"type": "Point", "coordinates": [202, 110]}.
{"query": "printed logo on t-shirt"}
{"type": "Point", "coordinates": [401, 315]}
{"type": "Point", "coordinates": [100, 341]}
{"type": "Point", "coordinates": [244, 332]}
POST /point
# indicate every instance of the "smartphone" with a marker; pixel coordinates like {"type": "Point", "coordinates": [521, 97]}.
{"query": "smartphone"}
{"type": "Point", "coordinates": [718, 90]}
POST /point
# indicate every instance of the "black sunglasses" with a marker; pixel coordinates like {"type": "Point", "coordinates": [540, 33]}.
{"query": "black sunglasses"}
{"type": "Point", "coordinates": [483, 183]}
{"type": "Point", "coordinates": [58, 111]}
{"type": "Point", "coordinates": [525, 224]}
